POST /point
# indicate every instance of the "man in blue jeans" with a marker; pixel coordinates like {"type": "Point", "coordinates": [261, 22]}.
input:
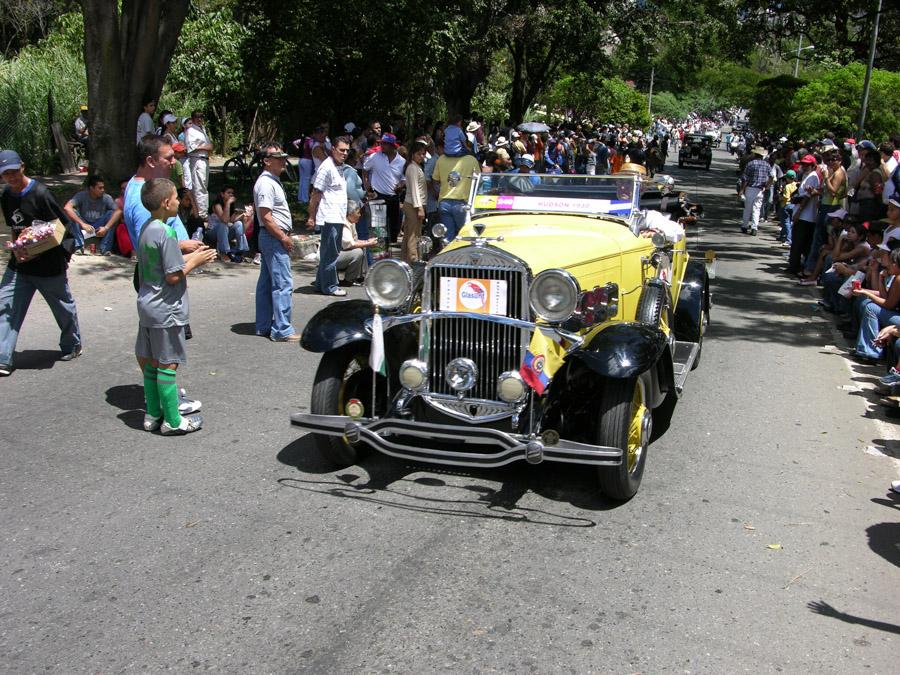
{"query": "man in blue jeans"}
{"type": "Point", "coordinates": [95, 214]}
{"type": "Point", "coordinates": [275, 287]}
{"type": "Point", "coordinates": [328, 210]}
{"type": "Point", "coordinates": [23, 201]}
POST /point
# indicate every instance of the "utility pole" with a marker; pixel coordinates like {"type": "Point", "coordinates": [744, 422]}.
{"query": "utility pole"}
{"type": "Point", "coordinates": [865, 96]}
{"type": "Point", "coordinates": [797, 61]}
{"type": "Point", "coordinates": [650, 97]}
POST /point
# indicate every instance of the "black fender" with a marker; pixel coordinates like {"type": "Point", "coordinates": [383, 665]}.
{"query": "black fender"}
{"type": "Point", "coordinates": [693, 300]}
{"type": "Point", "coordinates": [624, 350]}
{"type": "Point", "coordinates": [342, 323]}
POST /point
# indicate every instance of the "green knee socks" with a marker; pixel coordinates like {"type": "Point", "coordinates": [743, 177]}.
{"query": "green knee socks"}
{"type": "Point", "coordinates": [168, 396]}
{"type": "Point", "coordinates": [151, 394]}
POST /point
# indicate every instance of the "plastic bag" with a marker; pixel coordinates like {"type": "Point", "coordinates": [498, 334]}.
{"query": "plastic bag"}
{"type": "Point", "coordinates": [847, 287]}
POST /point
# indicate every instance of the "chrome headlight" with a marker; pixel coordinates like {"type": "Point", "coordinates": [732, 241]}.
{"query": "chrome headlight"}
{"type": "Point", "coordinates": [554, 295]}
{"type": "Point", "coordinates": [438, 230]}
{"type": "Point", "coordinates": [389, 283]}
{"type": "Point", "coordinates": [511, 387]}
{"type": "Point", "coordinates": [413, 374]}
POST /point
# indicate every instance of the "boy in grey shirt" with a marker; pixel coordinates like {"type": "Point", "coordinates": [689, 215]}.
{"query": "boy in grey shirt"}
{"type": "Point", "coordinates": [162, 306]}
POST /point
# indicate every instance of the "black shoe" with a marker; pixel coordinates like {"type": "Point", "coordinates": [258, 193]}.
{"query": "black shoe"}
{"type": "Point", "coordinates": [72, 355]}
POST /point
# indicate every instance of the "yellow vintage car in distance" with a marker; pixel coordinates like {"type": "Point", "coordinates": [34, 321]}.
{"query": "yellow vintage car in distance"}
{"type": "Point", "coordinates": [559, 326]}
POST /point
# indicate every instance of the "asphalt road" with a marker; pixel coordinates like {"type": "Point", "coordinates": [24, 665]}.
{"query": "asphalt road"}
{"type": "Point", "coordinates": [762, 538]}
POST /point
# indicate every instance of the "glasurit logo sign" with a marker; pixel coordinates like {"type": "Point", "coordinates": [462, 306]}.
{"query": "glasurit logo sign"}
{"type": "Point", "coordinates": [481, 296]}
{"type": "Point", "coordinates": [473, 295]}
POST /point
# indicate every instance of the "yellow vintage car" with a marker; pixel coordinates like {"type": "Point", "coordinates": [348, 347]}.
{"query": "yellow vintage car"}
{"type": "Point", "coordinates": [560, 325]}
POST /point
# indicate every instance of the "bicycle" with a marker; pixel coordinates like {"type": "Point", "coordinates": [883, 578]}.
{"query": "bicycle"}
{"type": "Point", "coordinates": [246, 165]}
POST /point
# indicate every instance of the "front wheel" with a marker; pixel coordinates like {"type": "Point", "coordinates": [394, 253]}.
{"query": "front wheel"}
{"type": "Point", "coordinates": [625, 422]}
{"type": "Point", "coordinates": [342, 376]}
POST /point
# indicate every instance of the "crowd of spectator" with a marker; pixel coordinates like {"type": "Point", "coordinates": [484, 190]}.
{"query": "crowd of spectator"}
{"type": "Point", "coordinates": [837, 201]}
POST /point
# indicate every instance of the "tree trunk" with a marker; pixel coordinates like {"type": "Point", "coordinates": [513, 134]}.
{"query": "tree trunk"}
{"type": "Point", "coordinates": [127, 59]}
{"type": "Point", "coordinates": [517, 107]}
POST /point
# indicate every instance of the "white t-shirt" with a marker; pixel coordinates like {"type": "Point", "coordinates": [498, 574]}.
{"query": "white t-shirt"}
{"type": "Point", "coordinates": [386, 174]}
{"type": "Point", "coordinates": [144, 126]}
{"type": "Point", "coordinates": [330, 182]}
{"type": "Point", "coordinates": [194, 137]}
{"type": "Point", "coordinates": [809, 184]}
{"type": "Point", "coordinates": [268, 193]}
{"type": "Point", "coordinates": [888, 192]}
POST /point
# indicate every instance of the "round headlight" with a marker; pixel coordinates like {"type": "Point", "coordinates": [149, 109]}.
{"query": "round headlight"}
{"type": "Point", "coordinates": [438, 230]}
{"type": "Point", "coordinates": [389, 283]}
{"type": "Point", "coordinates": [510, 387]}
{"type": "Point", "coordinates": [554, 295]}
{"type": "Point", "coordinates": [413, 374]}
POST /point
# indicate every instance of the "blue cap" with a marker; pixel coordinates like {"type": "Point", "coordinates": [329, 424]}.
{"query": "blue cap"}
{"type": "Point", "coordinates": [868, 145]}
{"type": "Point", "coordinates": [9, 159]}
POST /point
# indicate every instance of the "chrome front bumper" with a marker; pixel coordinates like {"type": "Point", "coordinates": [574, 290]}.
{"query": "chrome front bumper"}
{"type": "Point", "coordinates": [394, 437]}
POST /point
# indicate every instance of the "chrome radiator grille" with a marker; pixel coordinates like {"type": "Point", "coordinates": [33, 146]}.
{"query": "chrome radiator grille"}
{"type": "Point", "coordinates": [494, 348]}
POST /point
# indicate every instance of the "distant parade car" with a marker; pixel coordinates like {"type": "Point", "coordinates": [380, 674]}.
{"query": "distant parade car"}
{"type": "Point", "coordinates": [559, 326]}
{"type": "Point", "coordinates": [696, 150]}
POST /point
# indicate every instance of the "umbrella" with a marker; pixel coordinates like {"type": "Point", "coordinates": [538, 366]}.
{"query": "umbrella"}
{"type": "Point", "coordinates": [533, 127]}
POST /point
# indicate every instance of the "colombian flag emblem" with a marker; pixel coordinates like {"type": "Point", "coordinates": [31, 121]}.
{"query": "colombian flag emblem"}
{"type": "Point", "coordinates": [542, 359]}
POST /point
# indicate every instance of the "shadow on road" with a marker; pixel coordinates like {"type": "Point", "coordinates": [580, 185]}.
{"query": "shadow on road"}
{"type": "Point", "coordinates": [823, 608]}
{"type": "Point", "coordinates": [36, 359]}
{"type": "Point", "coordinates": [385, 481]}
{"type": "Point", "coordinates": [130, 399]}
{"type": "Point", "coordinates": [244, 328]}
{"type": "Point", "coordinates": [884, 539]}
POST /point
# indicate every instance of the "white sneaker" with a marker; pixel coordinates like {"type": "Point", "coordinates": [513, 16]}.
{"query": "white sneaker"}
{"type": "Point", "coordinates": [188, 425]}
{"type": "Point", "coordinates": [895, 486]}
{"type": "Point", "coordinates": [151, 423]}
{"type": "Point", "coordinates": [187, 406]}
{"type": "Point", "coordinates": [257, 259]}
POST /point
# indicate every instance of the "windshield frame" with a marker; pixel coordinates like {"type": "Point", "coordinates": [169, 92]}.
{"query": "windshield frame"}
{"type": "Point", "coordinates": [625, 215]}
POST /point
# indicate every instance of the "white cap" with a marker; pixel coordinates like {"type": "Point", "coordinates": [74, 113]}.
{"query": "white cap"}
{"type": "Point", "coordinates": [169, 117]}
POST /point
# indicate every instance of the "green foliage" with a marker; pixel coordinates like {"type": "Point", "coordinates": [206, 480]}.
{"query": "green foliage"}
{"type": "Point", "coordinates": [600, 98]}
{"type": "Point", "coordinates": [208, 60]}
{"type": "Point", "coordinates": [669, 105]}
{"type": "Point", "coordinates": [731, 84]}
{"type": "Point", "coordinates": [832, 101]}
{"type": "Point", "coordinates": [773, 108]}
{"type": "Point", "coordinates": [54, 68]}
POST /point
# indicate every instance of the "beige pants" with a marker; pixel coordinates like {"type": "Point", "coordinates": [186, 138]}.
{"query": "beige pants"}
{"type": "Point", "coordinates": [412, 228]}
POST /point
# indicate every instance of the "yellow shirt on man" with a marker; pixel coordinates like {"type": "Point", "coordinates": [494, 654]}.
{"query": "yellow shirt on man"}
{"type": "Point", "coordinates": [455, 176]}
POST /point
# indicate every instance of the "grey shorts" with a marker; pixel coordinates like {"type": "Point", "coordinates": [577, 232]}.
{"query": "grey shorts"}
{"type": "Point", "coordinates": [164, 345]}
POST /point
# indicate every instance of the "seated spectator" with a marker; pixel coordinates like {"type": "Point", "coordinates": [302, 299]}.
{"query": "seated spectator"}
{"type": "Point", "coordinates": [839, 247]}
{"type": "Point", "coordinates": [352, 260]}
{"type": "Point", "coordinates": [850, 254]}
{"type": "Point", "coordinates": [227, 224]}
{"type": "Point", "coordinates": [96, 215]}
{"type": "Point", "coordinates": [188, 215]}
{"type": "Point", "coordinates": [880, 312]}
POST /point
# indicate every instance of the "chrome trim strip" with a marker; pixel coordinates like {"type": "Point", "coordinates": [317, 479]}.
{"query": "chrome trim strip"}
{"type": "Point", "coordinates": [513, 446]}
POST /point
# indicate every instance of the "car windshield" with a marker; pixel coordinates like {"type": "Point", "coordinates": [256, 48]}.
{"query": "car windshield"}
{"type": "Point", "coordinates": [541, 193]}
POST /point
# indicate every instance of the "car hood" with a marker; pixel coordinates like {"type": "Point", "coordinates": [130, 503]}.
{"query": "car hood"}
{"type": "Point", "coordinates": [546, 241]}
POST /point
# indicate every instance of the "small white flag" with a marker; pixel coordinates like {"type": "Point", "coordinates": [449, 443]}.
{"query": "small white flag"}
{"type": "Point", "coordinates": [376, 358]}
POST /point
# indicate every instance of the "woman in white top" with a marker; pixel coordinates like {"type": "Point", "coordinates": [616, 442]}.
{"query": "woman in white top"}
{"type": "Point", "coordinates": [415, 201]}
